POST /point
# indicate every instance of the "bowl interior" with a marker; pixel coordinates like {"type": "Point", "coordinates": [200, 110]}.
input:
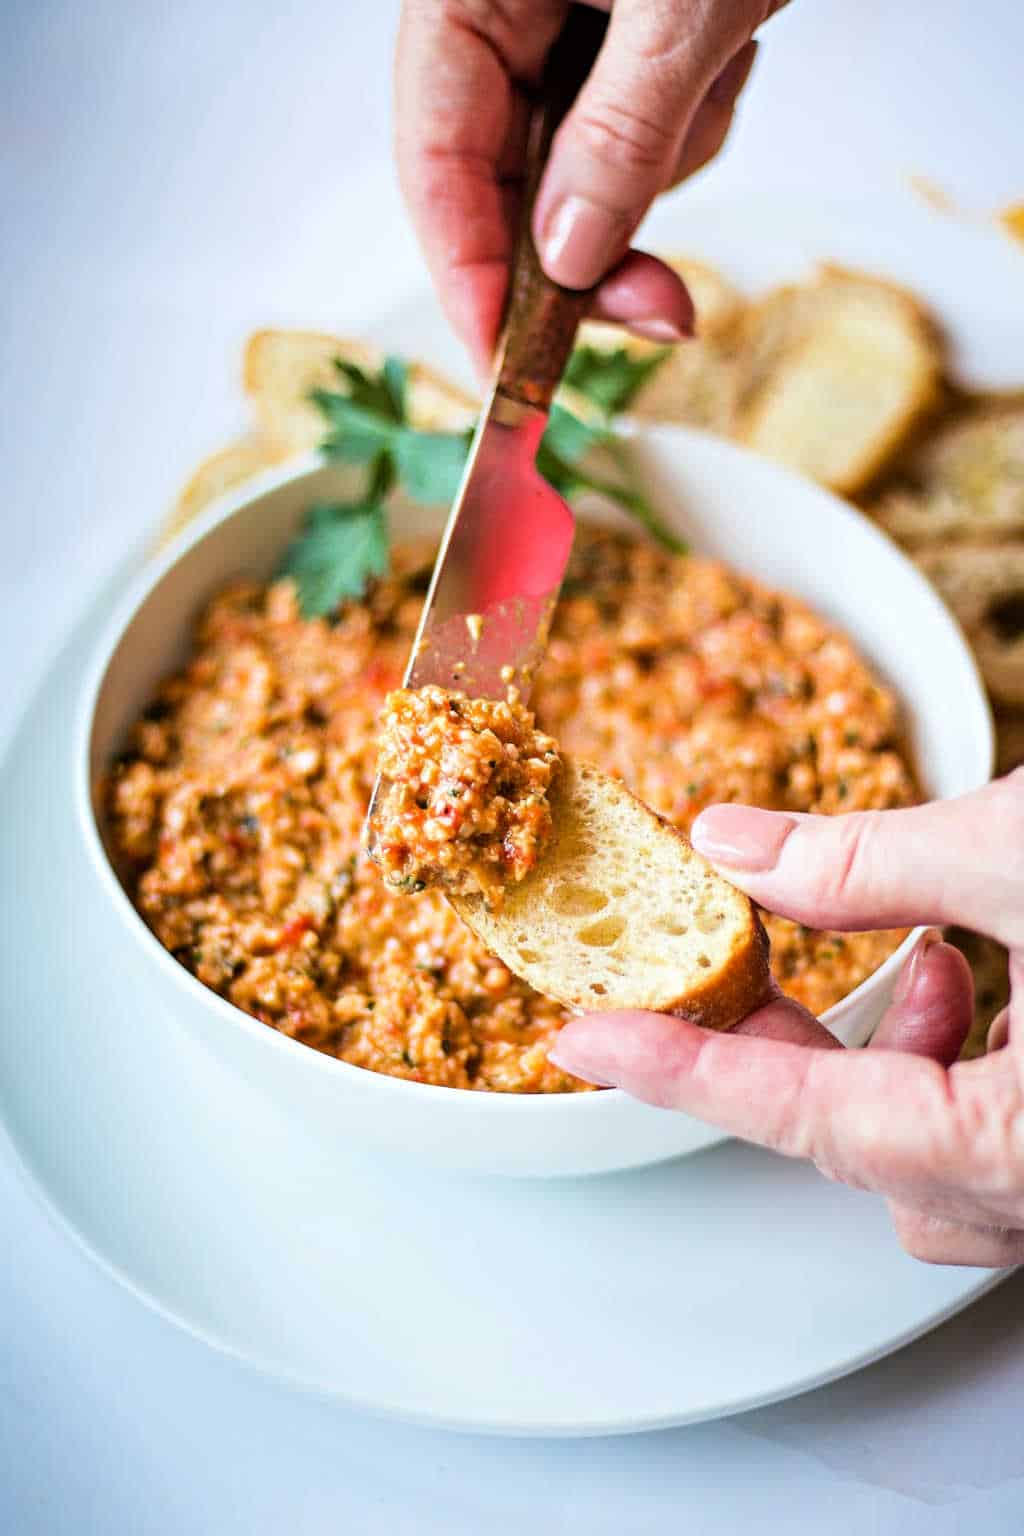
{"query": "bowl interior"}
{"type": "Point", "coordinates": [726, 502]}
{"type": "Point", "coordinates": [790, 534]}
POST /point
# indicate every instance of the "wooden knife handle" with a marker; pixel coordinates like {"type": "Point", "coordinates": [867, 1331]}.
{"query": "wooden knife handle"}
{"type": "Point", "coordinates": [541, 318]}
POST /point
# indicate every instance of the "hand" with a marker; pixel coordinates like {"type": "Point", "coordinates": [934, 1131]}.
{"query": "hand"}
{"type": "Point", "coordinates": [942, 1140]}
{"type": "Point", "coordinates": [656, 107]}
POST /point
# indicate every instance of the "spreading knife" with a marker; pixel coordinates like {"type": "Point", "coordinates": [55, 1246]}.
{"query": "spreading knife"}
{"type": "Point", "coordinates": [507, 540]}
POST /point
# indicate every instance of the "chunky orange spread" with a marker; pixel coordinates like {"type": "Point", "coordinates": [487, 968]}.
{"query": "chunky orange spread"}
{"type": "Point", "coordinates": [464, 800]}
{"type": "Point", "coordinates": [236, 814]}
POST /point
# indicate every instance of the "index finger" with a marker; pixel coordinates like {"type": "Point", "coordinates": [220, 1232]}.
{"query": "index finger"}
{"type": "Point", "coordinates": [882, 1119]}
{"type": "Point", "coordinates": [460, 128]}
{"type": "Point", "coordinates": [460, 145]}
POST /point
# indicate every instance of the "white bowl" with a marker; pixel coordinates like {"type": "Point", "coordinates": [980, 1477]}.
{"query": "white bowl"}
{"type": "Point", "coordinates": [726, 502]}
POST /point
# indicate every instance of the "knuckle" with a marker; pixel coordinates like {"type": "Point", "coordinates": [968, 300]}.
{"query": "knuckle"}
{"type": "Point", "coordinates": [847, 875]}
{"type": "Point", "coordinates": [919, 1238]}
{"type": "Point", "coordinates": [496, 20]}
{"type": "Point", "coordinates": [517, 31]}
{"type": "Point", "coordinates": [987, 1142]}
{"type": "Point", "coordinates": [808, 1129]}
{"type": "Point", "coordinates": [625, 139]}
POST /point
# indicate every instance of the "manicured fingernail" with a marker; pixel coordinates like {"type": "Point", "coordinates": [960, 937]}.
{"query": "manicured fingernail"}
{"type": "Point", "coordinates": [570, 1057]}
{"type": "Point", "coordinates": [741, 837]}
{"type": "Point", "coordinates": [662, 331]}
{"type": "Point", "coordinates": [580, 241]}
{"type": "Point", "coordinates": [910, 977]}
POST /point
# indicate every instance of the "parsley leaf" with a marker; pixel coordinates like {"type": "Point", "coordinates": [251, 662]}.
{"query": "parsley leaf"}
{"type": "Point", "coordinates": [611, 379]}
{"type": "Point", "coordinates": [569, 437]}
{"type": "Point", "coordinates": [572, 480]}
{"type": "Point", "coordinates": [340, 547]}
{"type": "Point", "coordinates": [382, 394]}
{"type": "Point", "coordinates": [430, 464]}
{"type": "Point", "coordinates": [369, 420]}
{"type": "Point", "coordinates": [344, 544]}
{"type": "Point", "coordinates": [355, 433]}
{"type": "Point", "coordinates": [395, 376]}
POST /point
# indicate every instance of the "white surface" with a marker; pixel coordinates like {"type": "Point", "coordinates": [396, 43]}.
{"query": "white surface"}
{"type": "Point", "coordinates": [716, 496]}
{"type": "Point", "coordinates": [172, 176]}
{"type": "Point", "coordinates": [572, 1307]}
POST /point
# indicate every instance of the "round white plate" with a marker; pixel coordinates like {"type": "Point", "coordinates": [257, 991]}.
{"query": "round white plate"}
{"type": "Point", "coordinates": [679, 1293]}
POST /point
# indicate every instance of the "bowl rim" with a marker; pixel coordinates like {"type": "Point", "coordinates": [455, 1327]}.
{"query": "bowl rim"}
{"type": "Point", "coordinates": [153, 571]}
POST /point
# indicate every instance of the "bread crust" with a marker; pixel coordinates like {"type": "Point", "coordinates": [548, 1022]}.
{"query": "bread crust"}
{"type": "Point", "coordinates": [221, 472]}
{"type": "Point", "coordinates": [716, 998]}
{"type": "Point", "coordinates": [280, 368]}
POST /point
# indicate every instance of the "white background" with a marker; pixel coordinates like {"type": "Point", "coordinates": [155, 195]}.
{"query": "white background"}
{"type": "Point", "coordinates": [170, 178]}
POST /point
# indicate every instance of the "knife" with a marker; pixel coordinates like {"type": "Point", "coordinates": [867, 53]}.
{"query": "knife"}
{"type": "Point", "coordinates": [508, 536]}
{"type": "Point", "coordinates": [507, 540]}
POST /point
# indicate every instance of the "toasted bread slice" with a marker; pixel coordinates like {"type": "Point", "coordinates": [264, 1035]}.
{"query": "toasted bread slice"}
{"type": "Point", "coordinates": [967, 481]}
{"type": "Point", "coordinates": [698, 383]}
{"type": "Point", "coordinates": [220, 473]}
{"type": "Point", "coordinates": [621, 912]}
{"type": "Point", "coordinates": [282, 368]}
{"type": "Point", "coordinates": [837, 372]}
{"type": "Point", "coordinates": [1009, 740]}
{"type": "Point", "coordinates": [983, 584]}
{"type": "Point", "coordinates": [990, 968]}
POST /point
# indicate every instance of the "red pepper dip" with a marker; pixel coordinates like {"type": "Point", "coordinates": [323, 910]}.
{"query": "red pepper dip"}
{"type": "Point", "coordinates": [235, 816]}
{"type": "Point", "coordinates": [464, 802]}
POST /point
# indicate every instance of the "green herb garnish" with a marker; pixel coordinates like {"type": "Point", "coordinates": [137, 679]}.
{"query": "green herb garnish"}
{"type": "Point", "coordinates": [611, 380]}
{"type": "Point", "coordinates": [341, 546]}
{"type": "Point", "coordinates": [345, 544]}
{"type": "Point", "coordinates": [369, 420]}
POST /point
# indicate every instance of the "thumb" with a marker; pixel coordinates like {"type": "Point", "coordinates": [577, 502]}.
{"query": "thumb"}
{"type": "Point", "coordinates": [621, 143]}
{"type": "Point", "coordinates": [953, 861]}
{"type": "Point", "coordinates": [933, 1005]}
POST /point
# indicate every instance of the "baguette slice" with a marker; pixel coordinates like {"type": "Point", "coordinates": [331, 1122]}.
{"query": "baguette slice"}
{"type": "Point", "coordinates": [221, 472]}
{"type": "Point", "coordinates": [622, 913]}
{"type": "Point", "coordinates": [983, 584]}
{"type": "Point", "coordinates": [990, 968]}
{"type": "Point", "coordinates": [967, 480]}
{"type": "Point", "coordinates": [837, 373]}
{"type": "Point", "coordinates": [281, 368]}
{"type": "Point", "coordinates": [1009, 740]}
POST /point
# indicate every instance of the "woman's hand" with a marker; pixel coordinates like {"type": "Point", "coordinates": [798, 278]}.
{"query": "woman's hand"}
{"type": "Point", "coordinates": [656, 107]}
{"type": "Point", "coordinates": [942, 1140]}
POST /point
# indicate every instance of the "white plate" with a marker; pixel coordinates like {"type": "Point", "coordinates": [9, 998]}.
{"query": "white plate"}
{"type": "Point", "coordinates": [792, 535]}
{"type": "Point", "coordinates": [659, 1297]}
{"type": "Point", "coordinates": [637, 1300]}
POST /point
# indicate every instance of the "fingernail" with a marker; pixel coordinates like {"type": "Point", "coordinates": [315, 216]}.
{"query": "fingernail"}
{"type": "Point", "coordinates": [741, 837]}
{"type": "Point", "coordinates": [662, 331]}
{"type": "Point", "coordinates": [910, 976]}
{"type": "Point", "coordinates": [570, 1058]}
{"type": "Point", "coordinates": [581, 240]}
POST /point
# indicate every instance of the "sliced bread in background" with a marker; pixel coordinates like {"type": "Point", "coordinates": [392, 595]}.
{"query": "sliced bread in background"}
{"type": "Point", "coordinates": [836, 373]}
{"type": "Point", "coordinates": [281, 369]}
{"type": "Point", "coordinates": [698, 382]}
